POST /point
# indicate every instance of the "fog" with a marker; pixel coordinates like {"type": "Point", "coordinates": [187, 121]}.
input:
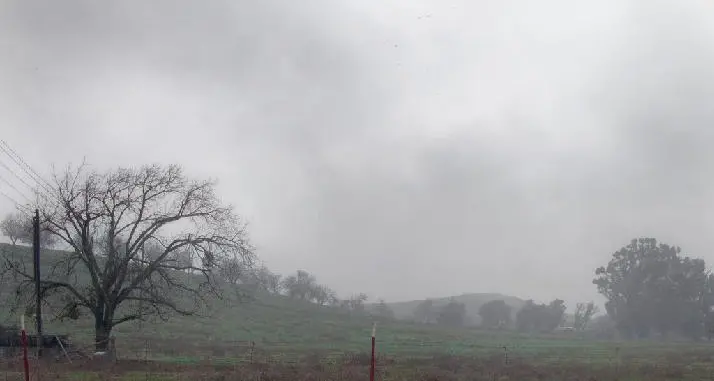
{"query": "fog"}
{"type": "Point", "coordinates": [405, 149]}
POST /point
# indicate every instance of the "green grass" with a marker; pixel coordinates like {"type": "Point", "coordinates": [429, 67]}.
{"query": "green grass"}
{"type": "Point", "coordinates": [289, 331]}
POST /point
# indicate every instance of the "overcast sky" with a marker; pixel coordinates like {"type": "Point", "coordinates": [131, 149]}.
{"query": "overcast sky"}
{"type": "Point", "coordinates": [401, 148]}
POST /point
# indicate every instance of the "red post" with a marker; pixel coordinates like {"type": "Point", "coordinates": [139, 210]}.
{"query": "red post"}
{"type": "Point", "coordinates": [372, 363]}
{"type": "Point", "coordinates": [25, 361]}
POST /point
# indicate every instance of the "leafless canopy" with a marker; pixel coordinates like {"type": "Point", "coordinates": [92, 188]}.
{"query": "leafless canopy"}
{"type": "Point", "coordinates": [141, 242]}
{"type": "Point", "coordinates": [17, 227]}
{"type": "Point", "coordinates": [13, 226]}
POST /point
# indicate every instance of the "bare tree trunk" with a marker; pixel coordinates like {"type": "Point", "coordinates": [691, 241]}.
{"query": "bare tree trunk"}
{"type": "Point", "coordinates": [102, 332]}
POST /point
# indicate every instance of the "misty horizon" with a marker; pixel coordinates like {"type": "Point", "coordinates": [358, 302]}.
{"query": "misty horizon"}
{"type": "Point", "coordinates": [406, 150]}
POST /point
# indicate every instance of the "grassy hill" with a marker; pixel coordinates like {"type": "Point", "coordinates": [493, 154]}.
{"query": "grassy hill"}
{"type": "Point", "coordinates": [271, 321]}
{"type": "Point", "coordinates": [286, 330]}
{"type": "Point", "coordinates": [404, 310]}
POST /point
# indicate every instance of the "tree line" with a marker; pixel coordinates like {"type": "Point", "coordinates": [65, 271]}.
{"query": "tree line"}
{"type": "Point", "coordinates": [497, 314]}
{"type": "Point", "coordinates": [301, 286]}
{"type": "Point", "coordinates": [150, 242]}
{"type": "Point", "coordinates": [652, 290]}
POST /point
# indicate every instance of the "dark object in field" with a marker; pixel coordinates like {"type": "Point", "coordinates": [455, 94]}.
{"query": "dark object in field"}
{"type": "Point", "coordinates": [11, 337]}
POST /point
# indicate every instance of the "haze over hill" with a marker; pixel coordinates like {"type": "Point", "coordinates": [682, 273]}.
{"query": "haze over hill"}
{"type": "Point", "coordinates": [504, 145]}
{"type": "Point", "coordinates": [472, 301]}
{"type": "Point", "coordinates": [236, 189]}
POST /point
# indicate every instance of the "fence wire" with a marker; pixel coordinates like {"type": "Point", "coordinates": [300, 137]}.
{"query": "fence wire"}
{"type": "Point", "coordinates": [396, 360]}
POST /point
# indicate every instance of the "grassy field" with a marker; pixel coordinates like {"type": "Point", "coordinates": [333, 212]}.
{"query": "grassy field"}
{"type": "Point", "coordinates": [297, 341]}
{"type": "Point", "coordinates": [275, 338]}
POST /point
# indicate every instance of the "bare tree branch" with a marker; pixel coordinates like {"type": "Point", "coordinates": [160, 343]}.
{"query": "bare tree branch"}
{"type": "Point", "coordinates": [129, 232]}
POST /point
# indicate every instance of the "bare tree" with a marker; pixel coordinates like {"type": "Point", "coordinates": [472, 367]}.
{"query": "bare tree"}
{"type": "Point", "coordinates": [320, 294]}
{"type": "Point", "coordinates": [355, 304]}
{"type": "Point", "coordinates": [13, 226]}
{"type": "Point", "coordinates": [233, 269]}
{"type": "Point", "coordinates": [584, 313]}
{"type": "Point", "coordinates": [126, 230]}
{"type": "Point", "coordinates": [299, 286]}
{"type": "Point", "coordinates": [268, 280]}
{"type": "Point", "coordinates": [332, 299]}
{"type": "Point", "coordinates": [18, 228]}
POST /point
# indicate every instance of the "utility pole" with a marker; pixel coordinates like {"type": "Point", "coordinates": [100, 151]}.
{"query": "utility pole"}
{"type": "Point", "coordinates": [36, 262]}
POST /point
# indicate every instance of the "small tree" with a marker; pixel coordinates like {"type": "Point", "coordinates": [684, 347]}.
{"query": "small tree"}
{"type": "Point", "coordinates": [18, 228]}
{"type": "Point", "coordinates": [300, 285]}
{"type": "Point", "coordinates": [354, 304]}
{"type": "Point", "coordinates": [125, 230]}
{"type": "Point", "coordinates": [320, 294]}
{"type": "Point", "coordinates": [14, 227]}
{"type": "Point", "coordinates": [584, 313]}
{"type": "Point", "coordinates": [268, 280]}
{"type": "Point", "coordinates": [232, 269]}
{"type": "Point", "coordinates": [332, 299]}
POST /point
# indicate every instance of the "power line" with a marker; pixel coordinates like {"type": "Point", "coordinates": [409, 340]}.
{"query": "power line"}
{"type": "Point", "coordinates": [15, 188]}
{"type": "Point", "coordinates": [33, 189]}
{"type": "Point", "coordinates": [23, 164]}
{"type": "Point", "coordinates": [17, 176]}
{"type": "Point", "coordinates": [19, 206]}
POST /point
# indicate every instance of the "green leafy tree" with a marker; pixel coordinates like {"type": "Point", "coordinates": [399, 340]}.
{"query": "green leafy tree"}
{"type": "Point", "coordinates": [425, 312]}
{"type": "Point", "coordinates": [495, 314]}
{"type": "Point", "coordinates": [707, 307]}
{"type": "Point", "coordinates": [453, 314]}
{"type": "Point", "coordinates": [542, 318]}
{"type": "Point", "coordinates": [652, 288]}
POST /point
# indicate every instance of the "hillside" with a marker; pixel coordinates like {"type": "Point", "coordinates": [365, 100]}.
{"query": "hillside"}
{"type": "Point", "coordinates": [275, 323]}
{"type": "Point", "coordinates": [474, 301]}
{"type": "Point", "coordinates": [271, 321]}
{"type": "Point", "coordinates": [276, 328]}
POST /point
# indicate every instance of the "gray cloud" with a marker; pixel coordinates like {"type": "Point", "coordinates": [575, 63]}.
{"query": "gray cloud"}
{"type": "Point", "coordinates": [404, 149]}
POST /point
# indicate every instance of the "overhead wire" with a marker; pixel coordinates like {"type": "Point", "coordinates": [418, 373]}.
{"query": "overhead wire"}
{"type": "Point", "coordinates": [17, 176]}
{"type": "Point", "coordinates": [24, 166]}
{"type": "Point", "coordinates": [31, 173]}
{"type": "Point", "coordinates": [19, 206]}
{"type": "Point", "coordinates": [33, 189]}
{"type": "Point", "coordinates": [11, 185]}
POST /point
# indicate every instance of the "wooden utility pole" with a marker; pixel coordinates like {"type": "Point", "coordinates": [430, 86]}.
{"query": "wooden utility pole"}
{"type": "Point", "coordinates": [372, 363]}
{"type": "Point", "coordinates": [36, 262]}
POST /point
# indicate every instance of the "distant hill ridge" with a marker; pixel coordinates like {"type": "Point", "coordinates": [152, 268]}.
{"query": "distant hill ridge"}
{"type": "Point", "coordinates": [472, 301]}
